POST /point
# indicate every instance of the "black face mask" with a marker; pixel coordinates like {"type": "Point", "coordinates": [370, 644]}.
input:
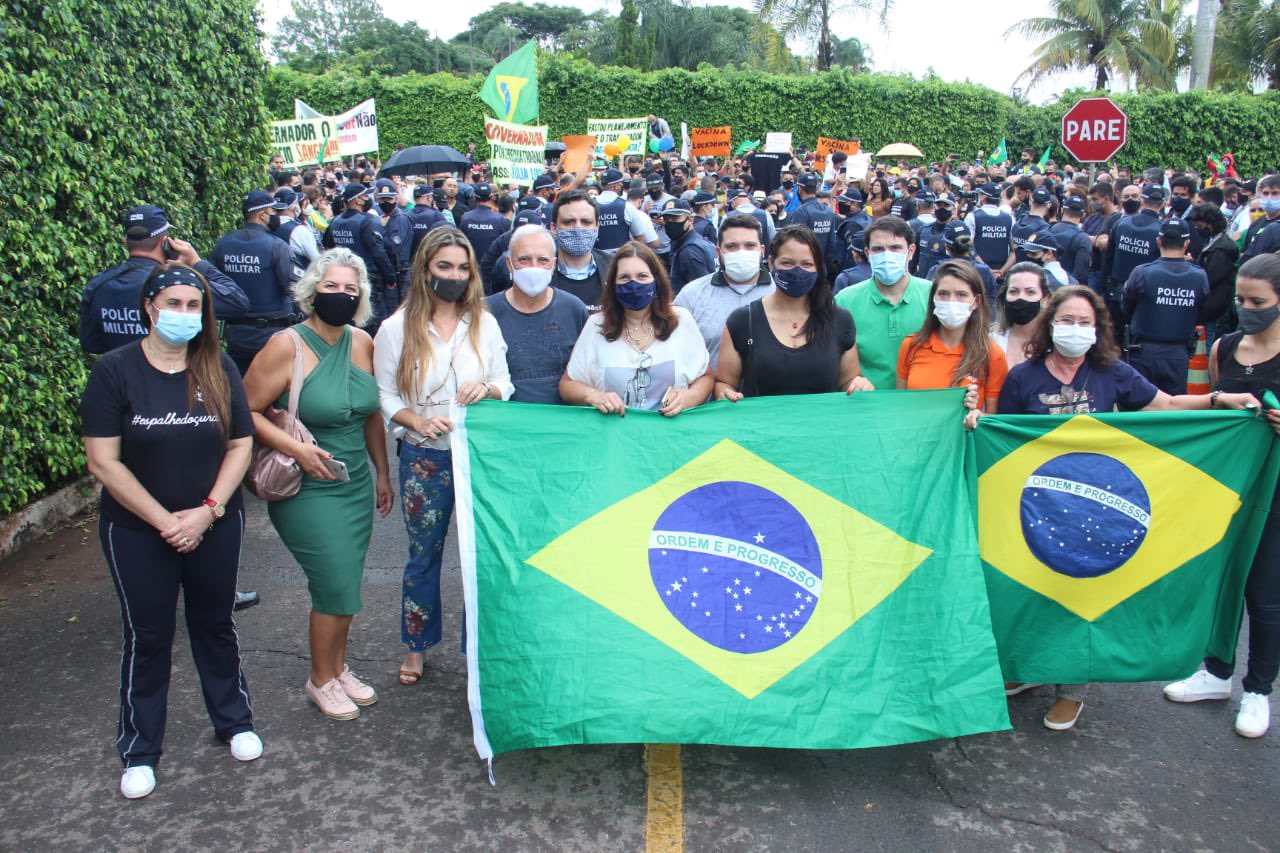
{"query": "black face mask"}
{"type": "Point", "coordinates": [788, 184]}
{"type": "Point", "coordinates": [387, 206]}
{"type": "Point", "coordinates": [335, 309]}
{"type": "Point", "coordinates": [845, 209]}
{"type": "Point", "coordinates": [656, 192]}
{"type": "Point", "coordinates": [1020, 312]}
{"type": "Point", "coordinates": [449, 289]}
{"type": "Point", "coordinates": [1179, 205]}
{"type": "Point", "coordinates": [942, 214]}
{"type": "Point", "coordinates": [1131, 206]}
{"type": "Point", "coordinates": [675, 230]}
{"type": "Point", "coordinates": [274, 222]}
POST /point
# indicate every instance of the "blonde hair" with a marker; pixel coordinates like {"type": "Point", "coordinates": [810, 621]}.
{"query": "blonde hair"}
{"type": "Point", "coordinates": [304, 289]}
{"type": "Point", "coordinates": [419, 308]}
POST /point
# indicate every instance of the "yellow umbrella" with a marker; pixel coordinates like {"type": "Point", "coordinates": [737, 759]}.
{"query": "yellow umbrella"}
{"type": "Point", "coordinates": [899, 149]}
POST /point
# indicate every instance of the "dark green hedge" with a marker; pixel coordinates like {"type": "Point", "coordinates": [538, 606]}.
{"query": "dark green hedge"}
{"type": "Point", "coordinates": [940, 118]}
{"type": "Point", "coordinates": [105, 104]}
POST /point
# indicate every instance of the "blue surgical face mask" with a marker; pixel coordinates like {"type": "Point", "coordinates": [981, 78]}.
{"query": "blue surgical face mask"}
{"type": "Point", "coordinates": [888, 267]}
{"type": "Point", "coordinates": [1271, 205]}
{"type": "Point", "coordinates": [796, 281]}
{"type": "Point", "coordinates": [635, 295]}
{"type": "Point", "coordinates": [178, 327]}
{"type": "Point", "coordinates": [576, 242]}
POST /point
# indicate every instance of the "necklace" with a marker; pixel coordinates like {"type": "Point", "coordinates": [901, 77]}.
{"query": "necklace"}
{"type": "Point", "coordinates": [640, 340]}
{"type": "Point", "coordinates": [156, 360]}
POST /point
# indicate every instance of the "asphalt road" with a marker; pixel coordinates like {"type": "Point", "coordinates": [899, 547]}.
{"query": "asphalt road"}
{"type": "Point", "coordinates": [1138, 773]}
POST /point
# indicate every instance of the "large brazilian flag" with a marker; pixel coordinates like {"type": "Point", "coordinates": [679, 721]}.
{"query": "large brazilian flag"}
{"type": "Point", "coordinates": [1116, 546]}
{"type": "Point", "coordinates": [789, 572]}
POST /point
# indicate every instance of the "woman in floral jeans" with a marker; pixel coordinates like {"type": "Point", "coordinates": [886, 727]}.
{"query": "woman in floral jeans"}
{"type": "Point", "coordinates": [441, 347]}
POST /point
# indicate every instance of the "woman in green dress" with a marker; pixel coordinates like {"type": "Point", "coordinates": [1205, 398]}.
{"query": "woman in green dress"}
{"type": "Point", "coordinates": [327, 525]}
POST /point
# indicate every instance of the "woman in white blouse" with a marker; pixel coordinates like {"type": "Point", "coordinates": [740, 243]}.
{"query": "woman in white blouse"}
{"type": "Point", "coordinates": [640, 351]}
{"type": "Point", "coordinates": [441, 347]}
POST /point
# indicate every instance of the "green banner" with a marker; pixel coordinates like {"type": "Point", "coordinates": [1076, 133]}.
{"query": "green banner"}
{"type": "Point", "coordinates": [788, 572]}
{"type": "Point", "coordinates": [1116, 546]}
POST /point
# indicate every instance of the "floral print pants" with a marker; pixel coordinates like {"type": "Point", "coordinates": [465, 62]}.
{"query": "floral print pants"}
{"type": "Point", "coordinates": [426, 497]}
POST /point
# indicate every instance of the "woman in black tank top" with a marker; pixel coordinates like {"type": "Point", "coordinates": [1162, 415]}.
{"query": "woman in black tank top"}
{"type": "Point", "coordinates": [1249, 361]}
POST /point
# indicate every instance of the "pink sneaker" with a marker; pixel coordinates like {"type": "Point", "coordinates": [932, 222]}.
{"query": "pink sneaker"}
{"type": "Point", "coordinates": [357, 691]}
{"type": "Point", "coordinates": [332, 701]}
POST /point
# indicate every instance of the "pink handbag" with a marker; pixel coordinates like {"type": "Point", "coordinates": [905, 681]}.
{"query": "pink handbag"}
{"type": "Point", "coordinates": [273, 475]}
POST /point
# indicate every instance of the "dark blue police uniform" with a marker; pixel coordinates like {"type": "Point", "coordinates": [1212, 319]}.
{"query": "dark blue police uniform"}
{"type": "Point", "coordinates": [362, 234]}
{"type": "Point", "coordinates": [261, 265]}
{"type": "Point", "coordinates": [1162, 300]}
{"type": "Point", "coordinates": [992, 236]}
{"type": "Point", "coordinates": [612, 229]}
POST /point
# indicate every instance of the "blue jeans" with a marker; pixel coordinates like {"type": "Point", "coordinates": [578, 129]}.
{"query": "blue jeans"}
{"type": "Point", "coordinates": [426, 497]}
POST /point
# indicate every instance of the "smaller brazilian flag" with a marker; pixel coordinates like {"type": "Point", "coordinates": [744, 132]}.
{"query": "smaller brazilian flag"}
{"type": "Point", "coordinates": [511, 89]}
{"type": "Point", "coordinates": [789, 571]}
{"type": "Point", "coordinates": [999, 155]}
{"type": "Point", "coordinates": [1116, 546]}
{"type": "Point", "coordinates": [1044, 158]}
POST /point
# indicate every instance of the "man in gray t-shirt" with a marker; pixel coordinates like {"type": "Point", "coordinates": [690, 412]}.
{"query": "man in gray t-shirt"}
{"type": "Point", "coordinates": [539, 323]}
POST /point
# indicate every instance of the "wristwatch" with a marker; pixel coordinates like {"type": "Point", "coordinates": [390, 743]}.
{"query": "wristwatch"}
{"type": "Point", "coordinates": [218, 509]}
{"type": "Point", "coordinates": [1213, 399]}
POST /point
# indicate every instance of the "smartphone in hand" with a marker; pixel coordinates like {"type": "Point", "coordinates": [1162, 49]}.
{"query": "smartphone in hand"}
{"type": "Point", "coordinates": [337, 468]}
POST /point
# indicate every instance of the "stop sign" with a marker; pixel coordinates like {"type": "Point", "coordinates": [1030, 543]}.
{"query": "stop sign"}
{"type": "Point", "coordinates": [1094, 130]}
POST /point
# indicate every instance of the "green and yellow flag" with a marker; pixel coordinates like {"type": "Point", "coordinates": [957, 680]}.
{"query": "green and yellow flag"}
{"type": "Point", "coordinates": [791, 572]}
{"type": "Point", "coordinates": [511, 89]}
{"type": "Point", "coordinates": [999, 155]}
{"type": "Point", "coordinates": [1116, 546]}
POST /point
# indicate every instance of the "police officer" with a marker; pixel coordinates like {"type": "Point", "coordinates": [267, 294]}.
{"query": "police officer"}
{"type": "Point", "coordinates": [483, 223]}
{"type": "Point", "coordinates": [1162, 300]}
{"type": "Point", "coordinates": [858, 268]}
{"type": "Point", "coordinates": [692, 257]}
{"type": "Point", "coordinates": [740, 201]}
{"type": "Point", "coordinates": [544, 190]}
{"type": "Point", "coordinates": [357, 230]}
{"type": "Point", "coordinates": [397, 235]}
{"type": "Point", "coordinates": [820, 219]}
{"type": "Point", "coordinates": [959, 246]}
{"type": "Point", "coordinates": [286, 226]}
{"type": "Point", "coordinates": [931, 244]}
{"type": "Point", "coordinates": [704, 206]}
{"type": "Point", "coordinates": [261, 266]}
{"type": "Point", "coordinates": [109, 312]}
{"type": "Point", "coordinates": [1039, 202]}
{"type": "Point", "coordinates": [1132, 243]}
{"type": "Point", "coordinates": [1076, 247]}
{"type": "Point", "coordinates": [422, 217]}
{"type": "Point", "coordinates": [991, 228]}
{"type": "Point", "coordinates": [1044, 249]}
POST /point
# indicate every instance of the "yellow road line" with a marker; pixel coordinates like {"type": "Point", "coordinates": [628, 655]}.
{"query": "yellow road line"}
{"type": "Point", "coordinates": [664, 819]}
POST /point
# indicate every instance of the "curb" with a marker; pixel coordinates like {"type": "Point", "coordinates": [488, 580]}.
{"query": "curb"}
{"type": "Point", "coordinates": [34, 520]}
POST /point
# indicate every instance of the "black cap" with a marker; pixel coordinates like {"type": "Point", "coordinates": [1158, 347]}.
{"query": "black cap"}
{"type": "Point", "coordinates": [808, 182]}
{"type": "Point", "coordinates": [145, 221]}
{"type": "Point", "coordinates": [420, 190]}
{"type": "Point", "coordinates": [1041, 196]}
{"type": "Point", "coordinates": [383, 188]}
{"type": "Point", "coordinates": [1175, 230]}
{"type": "Point", "coordinates": [255, 201]}
{"type": "Point", "coordinates": [702, 197]}
{"type": "Point", "coordinates": [1042, 240]}
{"type": "Point", "coordinates": [926, 197]}
{"type": "Point", "coordinates": [483, 191]}
{"type": "Point", "coordinates": [1250, 186]}
{"type": "Point", "coordinates": [850, 195]}
{"type": "Point", "coordinates": [676, 207]}
{"type": "Point", "coordinates": [354, 191]}
{"type": "Point", "coordinates": [734, 195]}
{"type": "Point", "coordinates": [285, 198]}
{"type": "Point", "coordinates": [439, 196]}
{"type": "Point", "coordinates": [990, 190]}
{"type": "Point", "coordinates": [1074, 203]}
{"type": "Point", "coordinates": [528, 217]}
{"type": "Point", "coordinates": [544, 181]}
{"type": "Point", "coordinates": [653, 180]}
{"type": "Point", "coordinates": [947, 200]}
{"type": "Point", "coordinates": [611, 176]}
{"type": "Point", "coordinates": [529, 202]}
{"type": "Point", "coordinates": [1153, 192]}
{"type": "Point", "coordinates": [858, 242]}
{"type": "Point", "coordinates": [955, 230]}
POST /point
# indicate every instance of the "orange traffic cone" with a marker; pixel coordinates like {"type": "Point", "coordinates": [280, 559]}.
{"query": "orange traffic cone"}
{"type": "Point", "coordinates": [1198, 369]}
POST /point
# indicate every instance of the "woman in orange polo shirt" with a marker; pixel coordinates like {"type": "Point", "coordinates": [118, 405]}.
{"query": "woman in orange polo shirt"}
{"type": "Point", "coordinates": [953, 349]}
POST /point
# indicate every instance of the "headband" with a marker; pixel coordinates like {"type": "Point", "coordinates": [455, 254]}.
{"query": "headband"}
{"type": "Point", "coordinates": [170, 277]}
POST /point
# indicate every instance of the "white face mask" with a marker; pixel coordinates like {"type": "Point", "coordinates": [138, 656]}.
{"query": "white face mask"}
{"type": "Point", "coordinates": [1074, 341]}
{"type": "Point", "coordinates": [741, 266]}
{"type": "Point", "coordinates": [532, 281]}
{"type": "Point", "coordinates": [953, 315]}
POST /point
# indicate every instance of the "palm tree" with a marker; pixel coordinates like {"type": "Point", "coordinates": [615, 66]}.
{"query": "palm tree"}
{"type": "Point", "coordinates": [1247, 48]}
{"type": "Point", "coordinates": [812, 19]}
{"type": "Point", "coordinates": [1202, 52]}
{"type": "Point", "coordinates": [1113, 38]}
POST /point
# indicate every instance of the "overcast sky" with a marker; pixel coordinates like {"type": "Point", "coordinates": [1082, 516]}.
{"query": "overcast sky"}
{"type": "Point", "coordinates": [908, 45]}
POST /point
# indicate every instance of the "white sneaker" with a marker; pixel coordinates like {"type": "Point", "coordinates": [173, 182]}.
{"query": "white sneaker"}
{"type": "Point", "coordinates": [1199, 687]}
{"type": "Point", "coordinates": [1254, 717]}
{"type": "Point", "coordinates": [246, 746]}
{"type": "Point", "coordinates": [138, 781]}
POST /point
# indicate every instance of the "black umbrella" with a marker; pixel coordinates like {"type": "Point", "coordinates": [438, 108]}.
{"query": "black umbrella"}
{"type": "Point", "coordinates": [425, 160]}
{"type": "Point", "coordinates": [554, 150]}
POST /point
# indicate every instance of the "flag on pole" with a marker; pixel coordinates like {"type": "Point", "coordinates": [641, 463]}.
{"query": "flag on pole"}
{"type": "Point", "coordinates": [511, 89]}
{"type": "Point", "coordinates": [1116, 546]}
{"type": "Point", "coordinates": [1044, 158]}
{"type": "Point", "coordinates": [999, 155]}
{"type": "Point", "coordinates": [709, 579]}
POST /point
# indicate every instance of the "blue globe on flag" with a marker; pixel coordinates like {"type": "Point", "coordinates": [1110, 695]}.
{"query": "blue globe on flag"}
{"type": "Point", "coordinates": [1084, 515]}
{"type": "Point", "coordinates": [737, 565]}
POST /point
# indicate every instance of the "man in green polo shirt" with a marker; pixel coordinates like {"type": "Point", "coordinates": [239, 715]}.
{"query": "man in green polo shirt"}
{"type": "Point", "coordinates": [890, 305]}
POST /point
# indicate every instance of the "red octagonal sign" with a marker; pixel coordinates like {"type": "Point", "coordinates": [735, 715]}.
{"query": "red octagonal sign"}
{"type": "Point", "coordinates": [1094, 130]}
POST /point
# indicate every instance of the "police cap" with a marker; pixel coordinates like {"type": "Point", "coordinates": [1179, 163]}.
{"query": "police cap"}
{"type": "Point", "coordinates": [676, 207]}
{"type": "Point", "coordinates": [420, 190]}
{"type": "Point", "coordinates": [1041, 241]}
{"type": "Point", "coordinates": [544, 182]}
{"type": "Point", "coordinates": [990, 190]}
{"type": "Point", "coordinates": [702, 197]}
{"type": "Point", "coordinates": [354, 191]}
{"type": "Point", "coordinates": [145, 221]}
{"type": "Point", "coordinates": [483, 191]}
{"type": "Point", "coordinates": [1153, 192]}
{"type": "Point", "coordinates": [611, 177]}
{"type": "Point", "coordinates": [808, 182]}
{"type": "Point", "coordinates": [285, 198]}
{"type": "Point", "coordinates": [1175, 231]}
{"type": "Point", "coordinates": [1074, 203]}
{"type": "Point", "coordinates": [255, 201]}
{"type": "Point", "coordinates": [954, 231]}
{"type": "Point", "coordinates": [1041, 196]}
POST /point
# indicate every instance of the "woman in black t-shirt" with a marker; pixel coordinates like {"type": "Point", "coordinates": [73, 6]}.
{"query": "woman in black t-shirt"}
{"type": "Point", "coordinates": [795, 340]}
{"type": "Point", "coordinates": [167, 431]}
{"type": "Point", "coordinates": [1248, 362]}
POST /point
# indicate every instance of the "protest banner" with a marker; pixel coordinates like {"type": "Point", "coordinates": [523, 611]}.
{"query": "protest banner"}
{"type": "Point", "coordinates": [827, 145]}
{"type": "Point", "coordinates": [518, 151]}
{"type": "Point", "coordinates": [305, 142]}
{"type": "Point", "coordinates": [777, 142]}
{"type": "Point", "coordinates": [684, 140]}
{"type": "Point", "coordinates": [577, 150]}
{"type": "Point", "coordinates": [607, 130]}
{"type": "Point", "coordinates": [357, 127]}
{"type": "Point", "coordinates": [856, 167]}
{"type": "Point", "coordinates": [711, 141]}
